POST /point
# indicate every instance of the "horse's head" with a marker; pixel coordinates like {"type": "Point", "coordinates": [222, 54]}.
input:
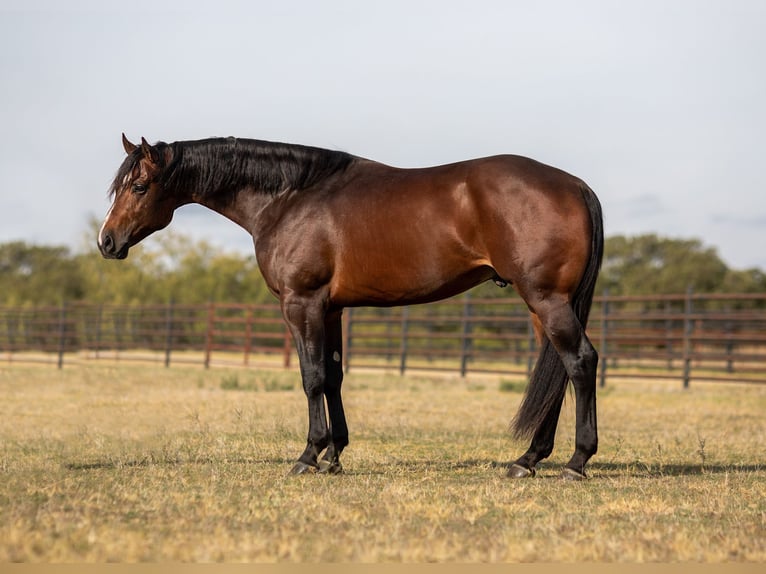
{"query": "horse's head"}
{"type": "Point", "coordinates": [141, 204]}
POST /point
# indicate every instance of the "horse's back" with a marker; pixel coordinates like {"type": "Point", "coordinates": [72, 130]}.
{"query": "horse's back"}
{"type": "Point", "coordinates": [413, 235]}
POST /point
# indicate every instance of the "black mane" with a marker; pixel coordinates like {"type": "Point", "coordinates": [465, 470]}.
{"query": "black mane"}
{"type": "Point", "coordinates": [219, 165]}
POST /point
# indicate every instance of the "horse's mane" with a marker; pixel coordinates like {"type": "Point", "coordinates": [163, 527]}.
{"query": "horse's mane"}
{"type": "Point", "coordinates": [217, 165]}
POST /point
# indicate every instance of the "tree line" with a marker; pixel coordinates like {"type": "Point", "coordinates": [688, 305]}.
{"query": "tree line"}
{"type": "Point", "coordinates": [176, 268]}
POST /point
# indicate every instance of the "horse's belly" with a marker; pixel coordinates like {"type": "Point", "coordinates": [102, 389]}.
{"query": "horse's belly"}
{"type": "Point", "coordinates": [401, 285]}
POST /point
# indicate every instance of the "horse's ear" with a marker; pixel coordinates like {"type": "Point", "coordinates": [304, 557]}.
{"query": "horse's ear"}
{"type": "Point", "coordinates": [150, 152]}
{"type": "Point", "coordinates": [129, 147]}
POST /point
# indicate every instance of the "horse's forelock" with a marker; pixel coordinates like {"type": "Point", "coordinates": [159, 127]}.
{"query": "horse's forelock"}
{"type": "Point", "coordinates": [124, 172]}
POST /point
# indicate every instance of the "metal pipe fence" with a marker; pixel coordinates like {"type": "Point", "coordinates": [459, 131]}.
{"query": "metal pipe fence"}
{"type": "Point", "coordinates": [688, 337]}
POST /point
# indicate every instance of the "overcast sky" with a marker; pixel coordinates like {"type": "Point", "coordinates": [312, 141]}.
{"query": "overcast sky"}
{"type": "Point", "coordinates": [658, 105]}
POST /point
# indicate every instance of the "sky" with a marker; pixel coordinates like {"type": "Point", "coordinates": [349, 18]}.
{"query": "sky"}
{"type": "Point", "coordinates": [659, 105]}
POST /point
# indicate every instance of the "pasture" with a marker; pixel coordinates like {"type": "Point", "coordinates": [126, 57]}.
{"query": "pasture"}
{"type": "Point", "coordinates": [134, 462]}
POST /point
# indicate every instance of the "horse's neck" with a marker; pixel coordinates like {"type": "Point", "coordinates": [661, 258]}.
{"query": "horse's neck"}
{"type": "Point", "coordinates": [241, 206]}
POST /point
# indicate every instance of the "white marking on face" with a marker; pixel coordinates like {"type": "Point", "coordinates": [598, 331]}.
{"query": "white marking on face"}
{"type": "Point", "coordinates": [336, 357]}
{"type": "Point", "coordinates": [103, 226]}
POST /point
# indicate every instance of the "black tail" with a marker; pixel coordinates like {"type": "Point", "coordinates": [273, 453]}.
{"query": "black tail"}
{"type": "Point", "coordinates": [549, 379]}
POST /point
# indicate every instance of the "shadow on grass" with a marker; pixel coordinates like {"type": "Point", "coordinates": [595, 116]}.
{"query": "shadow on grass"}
{"type": "Point", "coordinates": [147, 462]}
{"type": "Point", "coordinates": [545, 470]}
{"type": "Point", "coordinates": [661, 470]}
{"type": "Point", "coordinates": [640, 469]}
{"type": "Point", "coordinates": [595, 470]}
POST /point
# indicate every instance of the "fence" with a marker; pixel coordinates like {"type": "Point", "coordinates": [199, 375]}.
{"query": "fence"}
{"type": "Point", "coordinates": [686, 337]}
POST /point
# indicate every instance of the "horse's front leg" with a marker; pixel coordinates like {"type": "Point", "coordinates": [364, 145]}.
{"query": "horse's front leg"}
{"type": "Point", "coordinates": [333, 357]}
{"type": "Point", "coordinates": [305, 319]}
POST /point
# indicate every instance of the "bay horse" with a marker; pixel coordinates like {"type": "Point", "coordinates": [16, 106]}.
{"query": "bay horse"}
{"type": "Point", "coordinates": [332, 230]}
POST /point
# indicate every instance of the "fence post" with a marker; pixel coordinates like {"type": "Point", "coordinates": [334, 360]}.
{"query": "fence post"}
{"type": "Point", "coordinates": [99, 318]}
{"type": "Point", "coordinates": [347, 330]}
{"type": "Point", "coordinates": [168, 332]}
{"type": "Point", "coordinates": [62, 334]}
{"type": "Point", "coordinates": [10, 332]}
{"type": "Point", "coordinates": [6, 344]}
{"type": "Point", "coordinates": [248, 333]}
{"type": "Point", "coordinates": [209, 333]}
{"type": "Point", "coordinates": [688, 328]}
{"type": "Point", "coordinates": [465, 338]}
{"type": "Point", "coordinates": [403, 347]}
{"type": "Point", "coordinates": [390, 338]}
{"type": "Point", "coordinates": [669, 334]}
{"type": "Point", "coordinates": [604, 337]}
{"type": "Point", "coordinates": [729, 330]}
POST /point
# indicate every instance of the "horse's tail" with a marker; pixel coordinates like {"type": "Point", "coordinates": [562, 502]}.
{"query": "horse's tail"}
{"type": "Point", "coordinates": [549, 380]}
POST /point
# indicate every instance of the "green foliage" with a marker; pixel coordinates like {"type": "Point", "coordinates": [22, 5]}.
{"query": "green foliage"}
{"type": "Point", "coordinates": [31, 274]}
{"type": "Point", "coordinates": [747, 281]}
{"type": "Point", "coordinates": [649, 264]}
{"type": "Point", "coordinates": [169, 267]}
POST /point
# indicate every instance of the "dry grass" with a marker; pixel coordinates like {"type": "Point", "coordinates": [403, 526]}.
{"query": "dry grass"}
{"type": "Point", "coordinates": [139, 463]}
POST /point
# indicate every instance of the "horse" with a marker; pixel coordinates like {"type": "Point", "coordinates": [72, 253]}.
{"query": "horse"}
{"type": "Point", "coordinates": [332, 230]}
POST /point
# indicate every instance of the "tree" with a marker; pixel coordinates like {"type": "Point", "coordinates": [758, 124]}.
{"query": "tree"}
{"type": "Point", "coordinates": [34, 274]}
{"type": "Point", "coordinates": [747, 281]}
{"type": "Point", "coordinates": [648, 264]}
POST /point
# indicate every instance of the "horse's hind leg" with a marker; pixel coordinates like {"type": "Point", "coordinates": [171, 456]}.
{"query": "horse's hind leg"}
{"type": "Point", "coordinates": [580, 361]}
{"type": "Point", "coordinates": [582, 367]}
{"type": "Point", "coordinates": [544, 437]}
{"type": "Point", "coordinates": [541, 446]}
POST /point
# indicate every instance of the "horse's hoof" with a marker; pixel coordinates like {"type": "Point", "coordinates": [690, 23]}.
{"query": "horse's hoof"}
{"type": "Point", "coordinates": [572, 474]}
{"type": "Point", "coordinates": [330, 467]}
{"type": "Point", "coordinates": [518, 471]}
{"type": "Point", "coordinates": [302, 468]}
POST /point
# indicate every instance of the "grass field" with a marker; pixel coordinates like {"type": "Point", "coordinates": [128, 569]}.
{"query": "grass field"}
{"type": "Point", "coordinates": [140, 463]}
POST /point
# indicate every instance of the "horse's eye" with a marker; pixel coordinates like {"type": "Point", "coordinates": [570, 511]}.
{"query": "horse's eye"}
{"type": "Point", "coordinates": [139, 188]}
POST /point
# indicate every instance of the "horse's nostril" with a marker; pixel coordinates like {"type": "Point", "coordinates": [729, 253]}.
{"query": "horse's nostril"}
{"type": "Point", "coordinates": [107, 244]}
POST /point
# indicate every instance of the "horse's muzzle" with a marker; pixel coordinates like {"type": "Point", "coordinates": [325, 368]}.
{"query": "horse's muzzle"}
{"type": "Point", "coordinates": [109, 248]}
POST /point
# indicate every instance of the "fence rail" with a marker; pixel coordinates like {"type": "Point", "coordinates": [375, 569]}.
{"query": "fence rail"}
{"type": "Point", "coordinates": [700, 337]}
